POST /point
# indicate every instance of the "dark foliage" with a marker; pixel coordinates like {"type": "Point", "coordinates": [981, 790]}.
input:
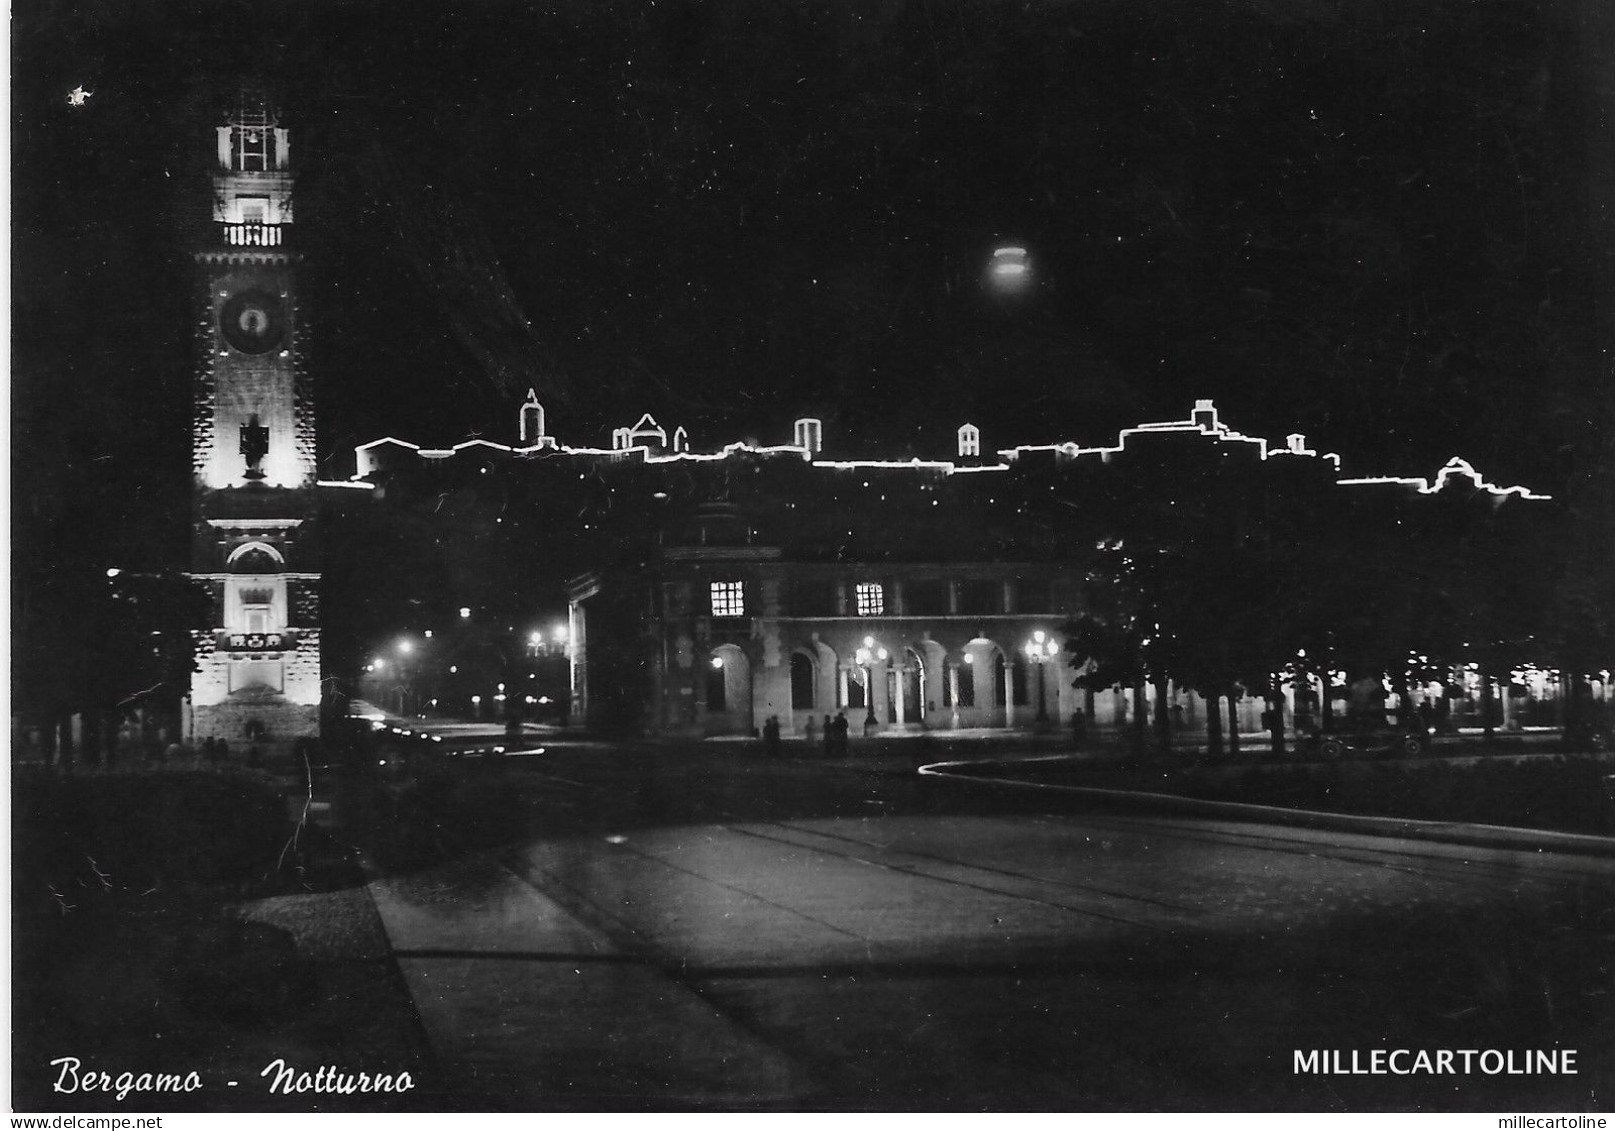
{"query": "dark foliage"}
{"type": "Point", "coordinates": [79, 838]}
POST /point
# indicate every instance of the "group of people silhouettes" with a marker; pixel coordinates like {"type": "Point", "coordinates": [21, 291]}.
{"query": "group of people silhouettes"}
{"type": "Point", "coordinates": [833, 735]}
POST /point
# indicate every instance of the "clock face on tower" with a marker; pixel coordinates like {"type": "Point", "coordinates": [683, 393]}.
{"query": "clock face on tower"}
{"type": "Point", "coordinates": [253, 321]}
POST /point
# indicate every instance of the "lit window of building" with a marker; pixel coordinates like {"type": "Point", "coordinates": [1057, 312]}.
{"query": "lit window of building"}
{"type": "Point", "coordinates": [728, 598]}
{"type": "Point", "coordinates": [871, 599]}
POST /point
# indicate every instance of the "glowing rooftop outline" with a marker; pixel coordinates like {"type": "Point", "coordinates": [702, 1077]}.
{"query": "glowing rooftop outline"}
{"type": "Point", "coordinates": [1294, 447]}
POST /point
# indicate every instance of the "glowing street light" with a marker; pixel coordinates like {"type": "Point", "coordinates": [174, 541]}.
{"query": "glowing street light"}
{"type": "Point", "coordinates": [866, 657]}
{"type": "Point", "coordinates": [1040, 650]}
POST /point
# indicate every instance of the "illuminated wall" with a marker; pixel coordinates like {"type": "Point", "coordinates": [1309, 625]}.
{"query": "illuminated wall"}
{"type": "Point", "coordinates": [236, 388]}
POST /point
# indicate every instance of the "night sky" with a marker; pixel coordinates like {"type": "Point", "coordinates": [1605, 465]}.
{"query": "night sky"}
{"type": "Point", "coordinates": [1380, 224]}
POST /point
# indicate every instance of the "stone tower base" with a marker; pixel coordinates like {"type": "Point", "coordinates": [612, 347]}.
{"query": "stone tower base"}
{"type": "Point", "coordinates": [279, 726]}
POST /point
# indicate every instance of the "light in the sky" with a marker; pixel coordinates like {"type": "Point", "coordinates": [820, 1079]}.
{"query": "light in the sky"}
{"type": "Point", "coordinates": [1009, 269]}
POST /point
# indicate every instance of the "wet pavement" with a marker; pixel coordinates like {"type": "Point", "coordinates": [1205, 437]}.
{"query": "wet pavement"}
{"type": "Point", "coordinates": [702, 928]}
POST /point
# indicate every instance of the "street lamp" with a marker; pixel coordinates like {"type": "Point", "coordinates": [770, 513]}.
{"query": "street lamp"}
{"type": "Point", "coordinates": [1040, 650]}
{"type": "Point", "coordinates": [866, 657]}
{"type": "Point", "coordinates": [405, 677]}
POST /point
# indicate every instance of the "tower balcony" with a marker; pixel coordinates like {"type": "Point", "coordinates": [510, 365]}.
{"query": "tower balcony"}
{"type": "Point", "coordinates": [254, 235]}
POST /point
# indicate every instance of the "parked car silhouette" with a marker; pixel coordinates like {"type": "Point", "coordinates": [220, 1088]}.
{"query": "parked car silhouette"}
{"type": "Point", "coordinates": [1377, 742]}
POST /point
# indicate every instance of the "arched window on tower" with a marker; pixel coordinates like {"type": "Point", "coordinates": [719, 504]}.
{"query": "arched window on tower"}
{"type": "Point", "coordinates": [255, 557]}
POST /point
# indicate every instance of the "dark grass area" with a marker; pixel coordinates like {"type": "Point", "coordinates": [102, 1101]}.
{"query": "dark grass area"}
{"type": "Point", "coordinates": [177, 921]}
{"type": "Point", "coordinates": [1554, 792]}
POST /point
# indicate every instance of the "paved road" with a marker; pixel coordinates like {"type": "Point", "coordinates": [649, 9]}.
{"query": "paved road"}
{"type": "Point", "coordinates": [706, 929]}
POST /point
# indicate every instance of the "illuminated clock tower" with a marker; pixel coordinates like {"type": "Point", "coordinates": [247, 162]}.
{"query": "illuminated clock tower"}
{"type": "Point", "coordinates": [254, 540]}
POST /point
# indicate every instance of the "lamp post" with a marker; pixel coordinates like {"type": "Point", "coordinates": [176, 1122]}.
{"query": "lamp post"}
{"type": "Point", "coordinates": [406, 677]}
{"type": "Point", "coordinates": [866, 657]}
{"type": "Point", "coordinates": [1040, 650]}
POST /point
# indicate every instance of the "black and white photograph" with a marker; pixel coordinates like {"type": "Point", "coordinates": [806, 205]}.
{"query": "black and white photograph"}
{"type": "Point", "coordinates": [830, 556]}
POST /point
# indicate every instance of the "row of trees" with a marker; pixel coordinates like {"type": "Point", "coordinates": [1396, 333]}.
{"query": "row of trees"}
{"type": "Point", "coordinates": [1232, 583]}
{"type": "Point", "coordinates": [98, 651]}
